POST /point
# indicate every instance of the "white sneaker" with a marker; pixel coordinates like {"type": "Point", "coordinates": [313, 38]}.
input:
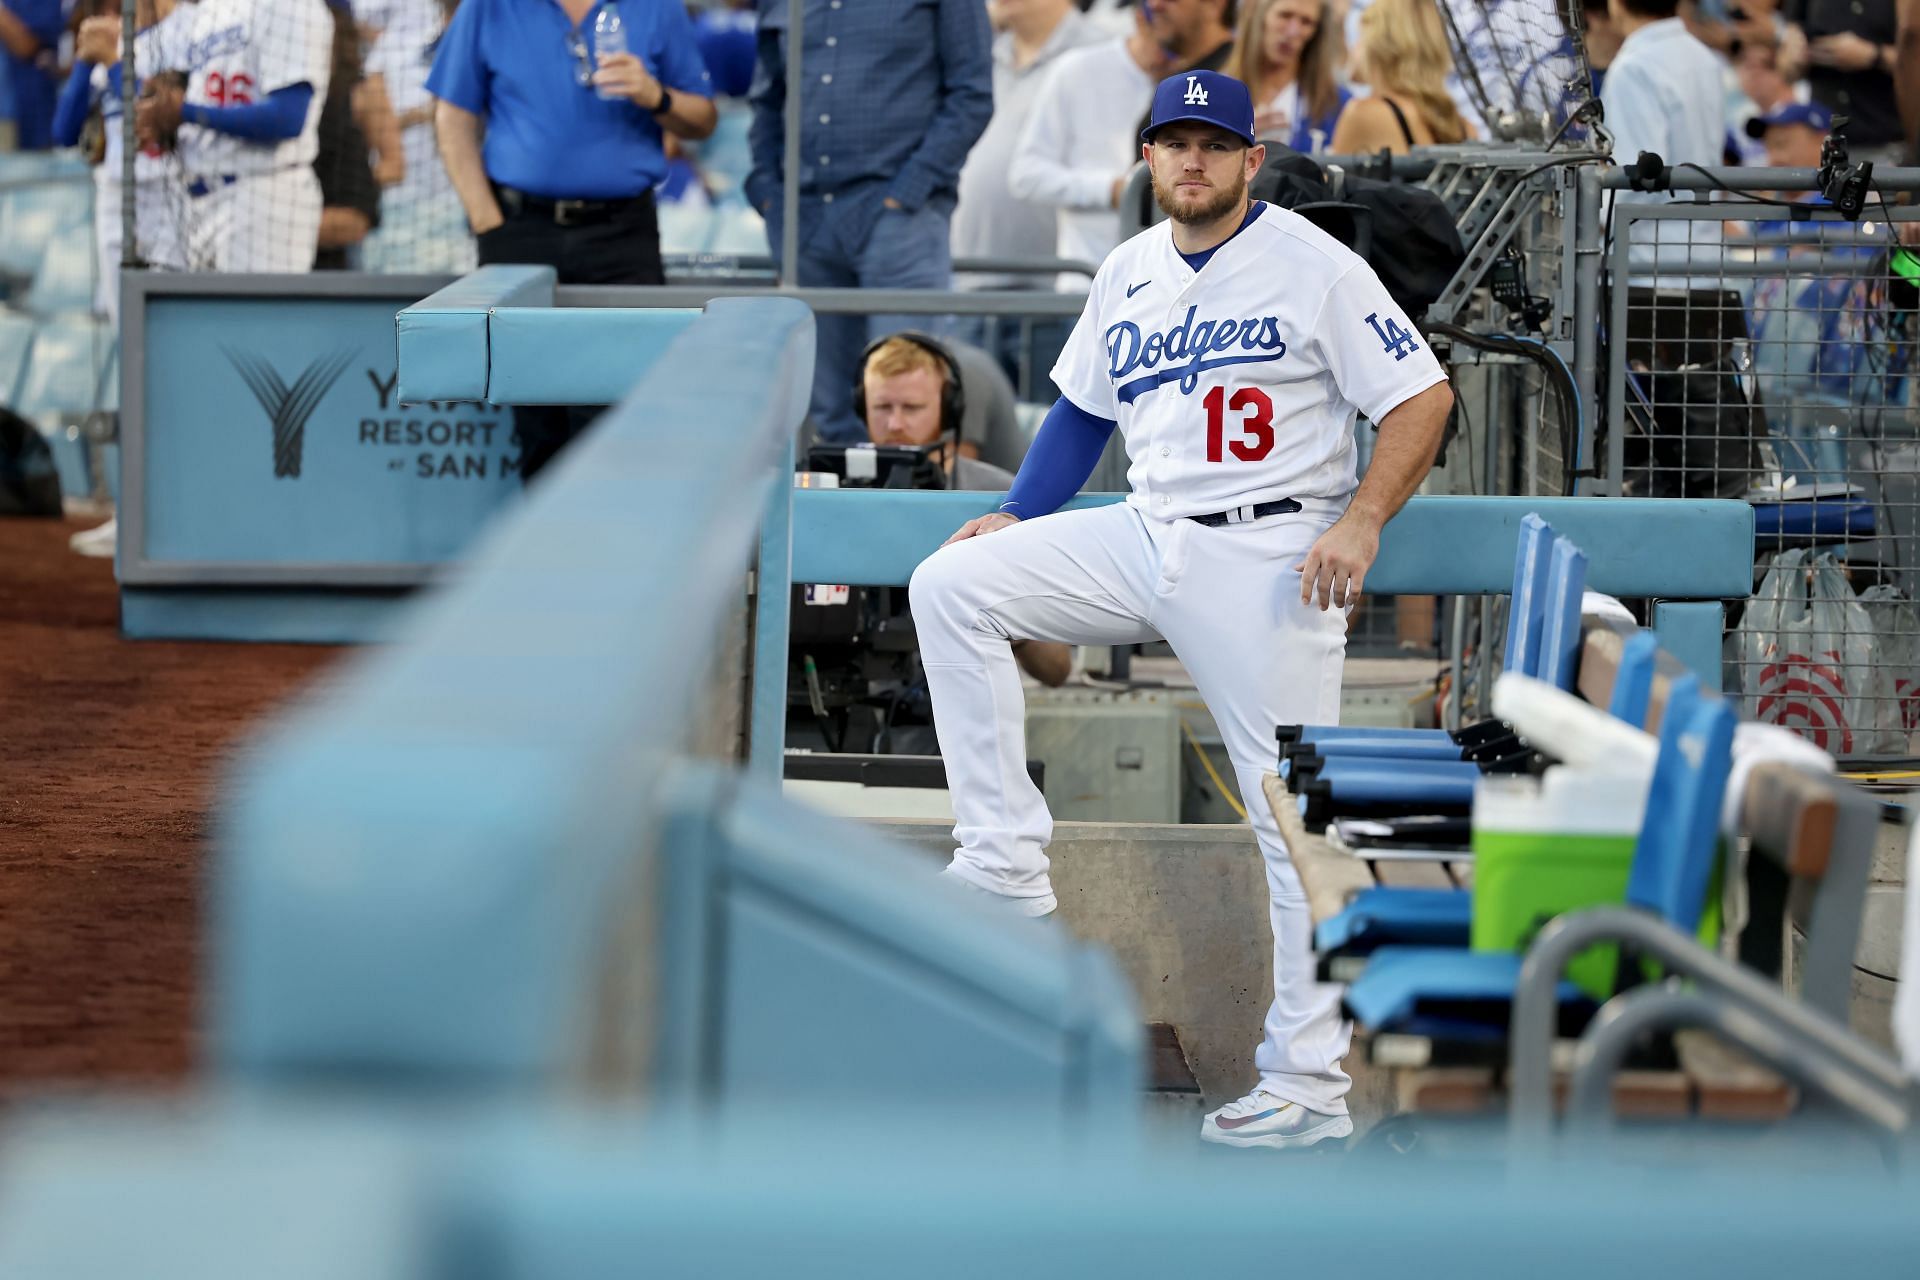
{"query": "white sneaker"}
{"type": "Point", "coordinates": [1263, 1120]}
{"type": "Point", "coordinates": [99, 542]}
{"type": "Point", "coordinates": [1033, 908]}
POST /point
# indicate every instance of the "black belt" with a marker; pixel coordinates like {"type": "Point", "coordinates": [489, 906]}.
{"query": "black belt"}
{"type": "Point", "coordinates": [1246, 515]}
{"type": "Point", "coordinates": [567, 213]}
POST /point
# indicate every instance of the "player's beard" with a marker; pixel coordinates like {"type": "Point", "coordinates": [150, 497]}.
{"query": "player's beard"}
{"type": "Point", "coordinates": [1223, 201]}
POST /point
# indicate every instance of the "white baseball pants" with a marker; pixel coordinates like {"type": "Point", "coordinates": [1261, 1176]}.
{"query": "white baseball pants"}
{"type": "Point", "coordinates": [1228, 601]}
{"type": "Point", "coordinates": [259, 222]}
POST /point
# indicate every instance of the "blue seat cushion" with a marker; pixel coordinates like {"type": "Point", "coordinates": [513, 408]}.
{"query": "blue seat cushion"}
{"type": "Point", "coordinates": [1400, 983]}
{"type": "Point", "coordinates": [1409, 917]}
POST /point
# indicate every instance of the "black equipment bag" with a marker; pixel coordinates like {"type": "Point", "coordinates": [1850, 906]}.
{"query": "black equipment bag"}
{"type": "Point", "coordinates": [1404, 232]}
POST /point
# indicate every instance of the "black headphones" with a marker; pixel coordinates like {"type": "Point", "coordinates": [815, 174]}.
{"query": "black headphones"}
{"type": "Point", "coordinates": [953, 397]}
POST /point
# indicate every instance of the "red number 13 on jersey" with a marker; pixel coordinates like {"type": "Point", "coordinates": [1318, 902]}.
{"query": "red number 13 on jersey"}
{"type": "Point", "coordinates": [1255, 429]}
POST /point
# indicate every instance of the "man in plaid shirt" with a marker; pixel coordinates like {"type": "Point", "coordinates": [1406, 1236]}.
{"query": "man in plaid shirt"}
{"type": "Point", "coordinates": [894, 96]}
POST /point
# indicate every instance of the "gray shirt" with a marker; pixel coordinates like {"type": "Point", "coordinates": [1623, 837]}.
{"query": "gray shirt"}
{"type": "Point", "coordinates": [990, 221]}
{"type": "Point", "coordinates": [971, 473]}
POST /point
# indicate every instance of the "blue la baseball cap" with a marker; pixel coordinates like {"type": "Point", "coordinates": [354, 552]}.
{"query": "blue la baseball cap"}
{"type": "Point", "coordinates": [1811, 114]}
{"type": "Point", "coordinates": [1208, 97]}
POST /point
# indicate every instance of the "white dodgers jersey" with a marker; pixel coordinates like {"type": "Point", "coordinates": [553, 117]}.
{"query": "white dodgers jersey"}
{"type": "Point", "coordinates": [1239, 383]}
{"type": "Point", "coordinates": [236, 52]}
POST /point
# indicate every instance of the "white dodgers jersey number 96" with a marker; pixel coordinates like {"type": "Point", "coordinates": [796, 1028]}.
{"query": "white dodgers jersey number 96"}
{"type": "Point", "coordinates": [1240, 383]}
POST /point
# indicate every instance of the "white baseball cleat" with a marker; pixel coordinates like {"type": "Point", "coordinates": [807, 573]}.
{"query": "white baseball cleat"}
{"type": "Point", "coordinates": [1044, 905]}
{"type": "Point", "coordinates": [1262, 1119]}
{"type": "Point", "coordinates": [98, 542]}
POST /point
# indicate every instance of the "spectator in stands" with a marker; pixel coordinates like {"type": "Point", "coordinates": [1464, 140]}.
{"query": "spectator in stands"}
{"type": "Point", "coordinates": [30, 39]}
{"type": "Point", "coordinates": [1602, 39]}
{"type": "Point", "coordinates": [1663, 86]}
{"type": "Point", "coordinates": [422, 227]}
{"type": "Point", "coordinates": [1846, 50]}
{"type": "Point", "coordinates": [349, 195]}
{"type": "Point", "coordinates": [1077, 148]}
{"type": "Point", "coordinates": [1907, 77]}
{"type": "Point", "coordinates": [893, 98]}
{"type": "Point", "coordinates": [1791, 134]}
{"type": "Point", "coordinates": [1756, 68]}
{"type": "Point", "coordinates": [1403, 58]}
{"type": "Point", "coordinates": [572, 146]}
{"type": "Point", "coordinates": [990, 221]}
{"type": "Point", "coordinates": [1197, 35]}
{"type": "Point", "coordinates": [904, 383]}
{"type": "Point", "coordinates": [1286, 52]}
{"type": "Point", "coordinates": [1664, 94]}
{"type": "Point", "coordinates": [93, 93]}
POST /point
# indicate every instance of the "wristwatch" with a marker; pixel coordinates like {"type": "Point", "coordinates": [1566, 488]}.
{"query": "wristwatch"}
{"type": "Point", "coordinates": [665, 104]}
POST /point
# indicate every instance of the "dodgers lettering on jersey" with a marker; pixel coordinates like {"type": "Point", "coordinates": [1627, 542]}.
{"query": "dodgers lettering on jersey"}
{"type": "Point", "coordinates": [1241, 383]}
{"type": "Point", "coordinates": [236, 52]}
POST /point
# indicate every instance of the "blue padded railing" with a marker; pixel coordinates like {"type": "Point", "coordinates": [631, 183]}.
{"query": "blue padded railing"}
{"type": "Point", "coordinates": [480, 859]}
{"type": "Point", "coordinates": [413, 871]}
{"type": "Point", "coordinates": [1687, 554]}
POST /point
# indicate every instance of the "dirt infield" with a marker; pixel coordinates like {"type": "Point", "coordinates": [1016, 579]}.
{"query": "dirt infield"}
{"type": "Point", "coordinates": [109, 751]}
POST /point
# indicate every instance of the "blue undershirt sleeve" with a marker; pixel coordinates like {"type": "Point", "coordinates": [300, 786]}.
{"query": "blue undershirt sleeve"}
{"type": "Point", "coordinates": [70, 115]}
{"type": "Point", "coordinates": [1063, 455]}
{"type": "Point", "coordinates": [279, 117]}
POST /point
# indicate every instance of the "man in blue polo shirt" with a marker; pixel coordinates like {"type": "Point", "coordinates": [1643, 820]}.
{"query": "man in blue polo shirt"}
{"type": "Point", "coordinates": [573, 144]}
{"type": "Point", "coordinates": [29, 38]}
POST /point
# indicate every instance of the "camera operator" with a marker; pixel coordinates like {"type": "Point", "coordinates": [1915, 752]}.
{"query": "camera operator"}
{"type": "Point", "coordinates": [913, 394]}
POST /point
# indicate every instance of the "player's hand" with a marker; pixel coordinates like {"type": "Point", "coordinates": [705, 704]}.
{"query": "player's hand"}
{"type": "Point", "coordinates": [627, 76]}
{"type": "Point", "coordinates": [990, 523]}
{"type": "Point", "coordinates": [1844, 50]}
{"type": "Point", "coordinates": [1337, 563]}
{"type": "Point", "coordinates": [98, 41]}
{"type": "Point", "coordinates": [156, 117]}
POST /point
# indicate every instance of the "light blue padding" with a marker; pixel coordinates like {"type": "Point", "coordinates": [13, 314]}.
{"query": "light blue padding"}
{"type": "Point", "coordinates": [260, 615]}
{"type": "Point", "coordinates": [1559, 659]}
{"type": "Point", "coordinates": [1673, 862]}
{"type": "Point", "coordinates": [358, 480]}
{"type": "Point", "coordinates": [63, 284]}
{"type": "Point", "coordinates": [1436, 545]}
{"type": "Point", "coordinates": [804, 957]}
{"type": "Point", "coordinates": [1412, 917]}
{"type": "Point", "coordinates": [443, 337]}
{"type": "Point", "coordinates": [575, 355]}
{"type": "Point", "coordinates": [1363, 783]}
{"type": "Point", "coordinates": [16, 340]}
{"type": "Point", "coordinates": [862, 1191]}
{"type": "Point", "coordinates": [1330, 734]}
{"type": "Point", "coordinates": [1633, 680]}
{"type": "Point", "coordinates": [33, 215]}
{"type": "Point", "coordinates": [1692, 631]}
{"type": "Point", "coordinates": [424, 873]}
{"type": "Point", "coordinates": [63, 371]}
{"type": "Point", "coordinates": [1532, 562]}
{"type": "Point", "coordinates": [1422, 748]}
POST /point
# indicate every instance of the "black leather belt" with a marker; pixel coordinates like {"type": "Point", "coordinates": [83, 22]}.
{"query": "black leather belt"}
{"type": "Point", "coordinates": [565, 213]}
{"type": "Point", "coordinates": [1246, 515]}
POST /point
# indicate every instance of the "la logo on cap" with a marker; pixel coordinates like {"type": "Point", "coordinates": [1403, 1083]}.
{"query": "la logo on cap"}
{"type": "Point", "coordinates": [1196, 92]}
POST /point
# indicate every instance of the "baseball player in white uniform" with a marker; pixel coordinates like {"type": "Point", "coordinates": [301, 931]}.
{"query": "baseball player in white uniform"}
{"type": "Point", "coordinates": [248, 122]}
{"type": "Point", "coordinates": [1233, 346]}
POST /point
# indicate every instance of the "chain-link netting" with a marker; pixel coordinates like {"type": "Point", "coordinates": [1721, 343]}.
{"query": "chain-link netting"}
{"type": "Point", "coordinates": [1765, 351]}
{"type": "Point", "coordinates": [1520, 64]}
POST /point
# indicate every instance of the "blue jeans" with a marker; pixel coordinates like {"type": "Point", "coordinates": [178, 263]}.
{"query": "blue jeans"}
{"type": "Point", "coordinates": [853, 242]}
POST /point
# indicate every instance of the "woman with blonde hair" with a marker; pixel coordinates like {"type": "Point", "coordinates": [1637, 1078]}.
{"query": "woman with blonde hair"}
{"type": "Point", "coordinates": [1403, 57]}
{"type": "Point", "coordinates": [1286, 53]}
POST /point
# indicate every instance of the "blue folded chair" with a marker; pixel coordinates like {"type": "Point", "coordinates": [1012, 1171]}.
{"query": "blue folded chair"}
{"type": "Point", "coordinates": [1391, 916]}
{"type": "Point", "coordinates": [1672, 869]}
{"type": "Point", "coordinates": [1532, 563]}
{"type": "Point", "coordinates": [1545, 645]}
